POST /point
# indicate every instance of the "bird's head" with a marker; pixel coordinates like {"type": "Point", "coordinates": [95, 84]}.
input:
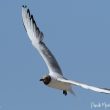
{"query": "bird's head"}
{"type": "Point", "coordinates": [46, 79]}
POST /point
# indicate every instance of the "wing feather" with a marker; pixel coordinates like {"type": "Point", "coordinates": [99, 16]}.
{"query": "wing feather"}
{"type": "Point", "coordinates": [85, 86]}
{"type": "Point", "coordinates": [36, 37]}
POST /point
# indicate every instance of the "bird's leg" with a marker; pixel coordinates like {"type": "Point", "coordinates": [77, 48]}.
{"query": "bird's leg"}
{"type": "Point", "coordinates": [65, 92]}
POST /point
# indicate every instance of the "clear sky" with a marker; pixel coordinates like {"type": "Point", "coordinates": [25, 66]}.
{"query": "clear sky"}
{"type": "Point", "coordinates": [78, 34]}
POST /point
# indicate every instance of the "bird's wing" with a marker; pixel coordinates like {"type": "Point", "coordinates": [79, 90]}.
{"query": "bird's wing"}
{"type": "Point", "coordinates": [85, 86]}
{"type": "Point", "coordinates": [36, 37]}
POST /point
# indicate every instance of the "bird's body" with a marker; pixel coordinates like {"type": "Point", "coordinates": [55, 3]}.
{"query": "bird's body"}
{"type": "Point", "coordinates": [54, 83]}
{"type": "Point", "coordinates": [55, 78]}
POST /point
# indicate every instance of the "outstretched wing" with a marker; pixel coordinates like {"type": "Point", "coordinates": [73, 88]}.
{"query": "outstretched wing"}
{"type": "Point", "coordinates": [85, 86]}
{"type": "Point", "coordinates": [36, 37]}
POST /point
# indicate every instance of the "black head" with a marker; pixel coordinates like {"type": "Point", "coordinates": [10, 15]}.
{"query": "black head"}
{"type": "Point", "coordinates": [46, 80]}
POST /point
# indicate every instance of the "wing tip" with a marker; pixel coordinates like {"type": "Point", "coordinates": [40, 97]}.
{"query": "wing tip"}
{"type": "Point", "coordinates": [28, 17]}
{"type": "Point", "coordinates": [24, 6]}
{"type": "Point", "coordinates": [25, 10]}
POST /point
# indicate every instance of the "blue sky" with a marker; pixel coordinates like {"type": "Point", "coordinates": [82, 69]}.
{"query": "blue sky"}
{"type": "Point", "coordinates": [78, 34]}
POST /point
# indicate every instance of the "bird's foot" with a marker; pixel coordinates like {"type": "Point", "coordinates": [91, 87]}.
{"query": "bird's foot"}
{"type": "Point", "coordinates": [65, 92]}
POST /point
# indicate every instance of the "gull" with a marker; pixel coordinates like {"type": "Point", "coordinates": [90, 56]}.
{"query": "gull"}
{"type": "Point", "coordinates": [54, 78]}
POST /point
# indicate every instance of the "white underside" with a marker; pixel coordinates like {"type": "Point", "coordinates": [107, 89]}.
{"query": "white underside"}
{"type": "Point", "coordinates": [60, 85]}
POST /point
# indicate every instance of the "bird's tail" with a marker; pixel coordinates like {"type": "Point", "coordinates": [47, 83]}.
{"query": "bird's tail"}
{"type": "Point", "coordinates": [71, 91]}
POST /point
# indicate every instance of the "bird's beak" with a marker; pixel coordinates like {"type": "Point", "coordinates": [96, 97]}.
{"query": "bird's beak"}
{"type": "Point", "coordinates": [41, 79]}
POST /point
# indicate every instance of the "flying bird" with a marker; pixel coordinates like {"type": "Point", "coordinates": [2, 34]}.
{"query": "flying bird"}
{"type": "Point", "coordinates": [55, 78]}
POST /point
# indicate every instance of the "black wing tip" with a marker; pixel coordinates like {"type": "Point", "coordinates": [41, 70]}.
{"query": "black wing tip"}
{"type": "Point", "coordinates": [24, 6]}
{"type": "Point", "coordinates": [31, 17]}
{"type": "Point", "coordinates": [27, 9]}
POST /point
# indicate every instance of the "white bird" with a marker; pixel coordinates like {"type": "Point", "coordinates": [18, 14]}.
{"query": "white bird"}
{"type": "Point", "coordinates": [55, 78]}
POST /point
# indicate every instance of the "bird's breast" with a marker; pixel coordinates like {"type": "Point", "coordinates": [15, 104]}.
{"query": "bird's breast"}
{"type": "Point", "coordinates": [58, 85]}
